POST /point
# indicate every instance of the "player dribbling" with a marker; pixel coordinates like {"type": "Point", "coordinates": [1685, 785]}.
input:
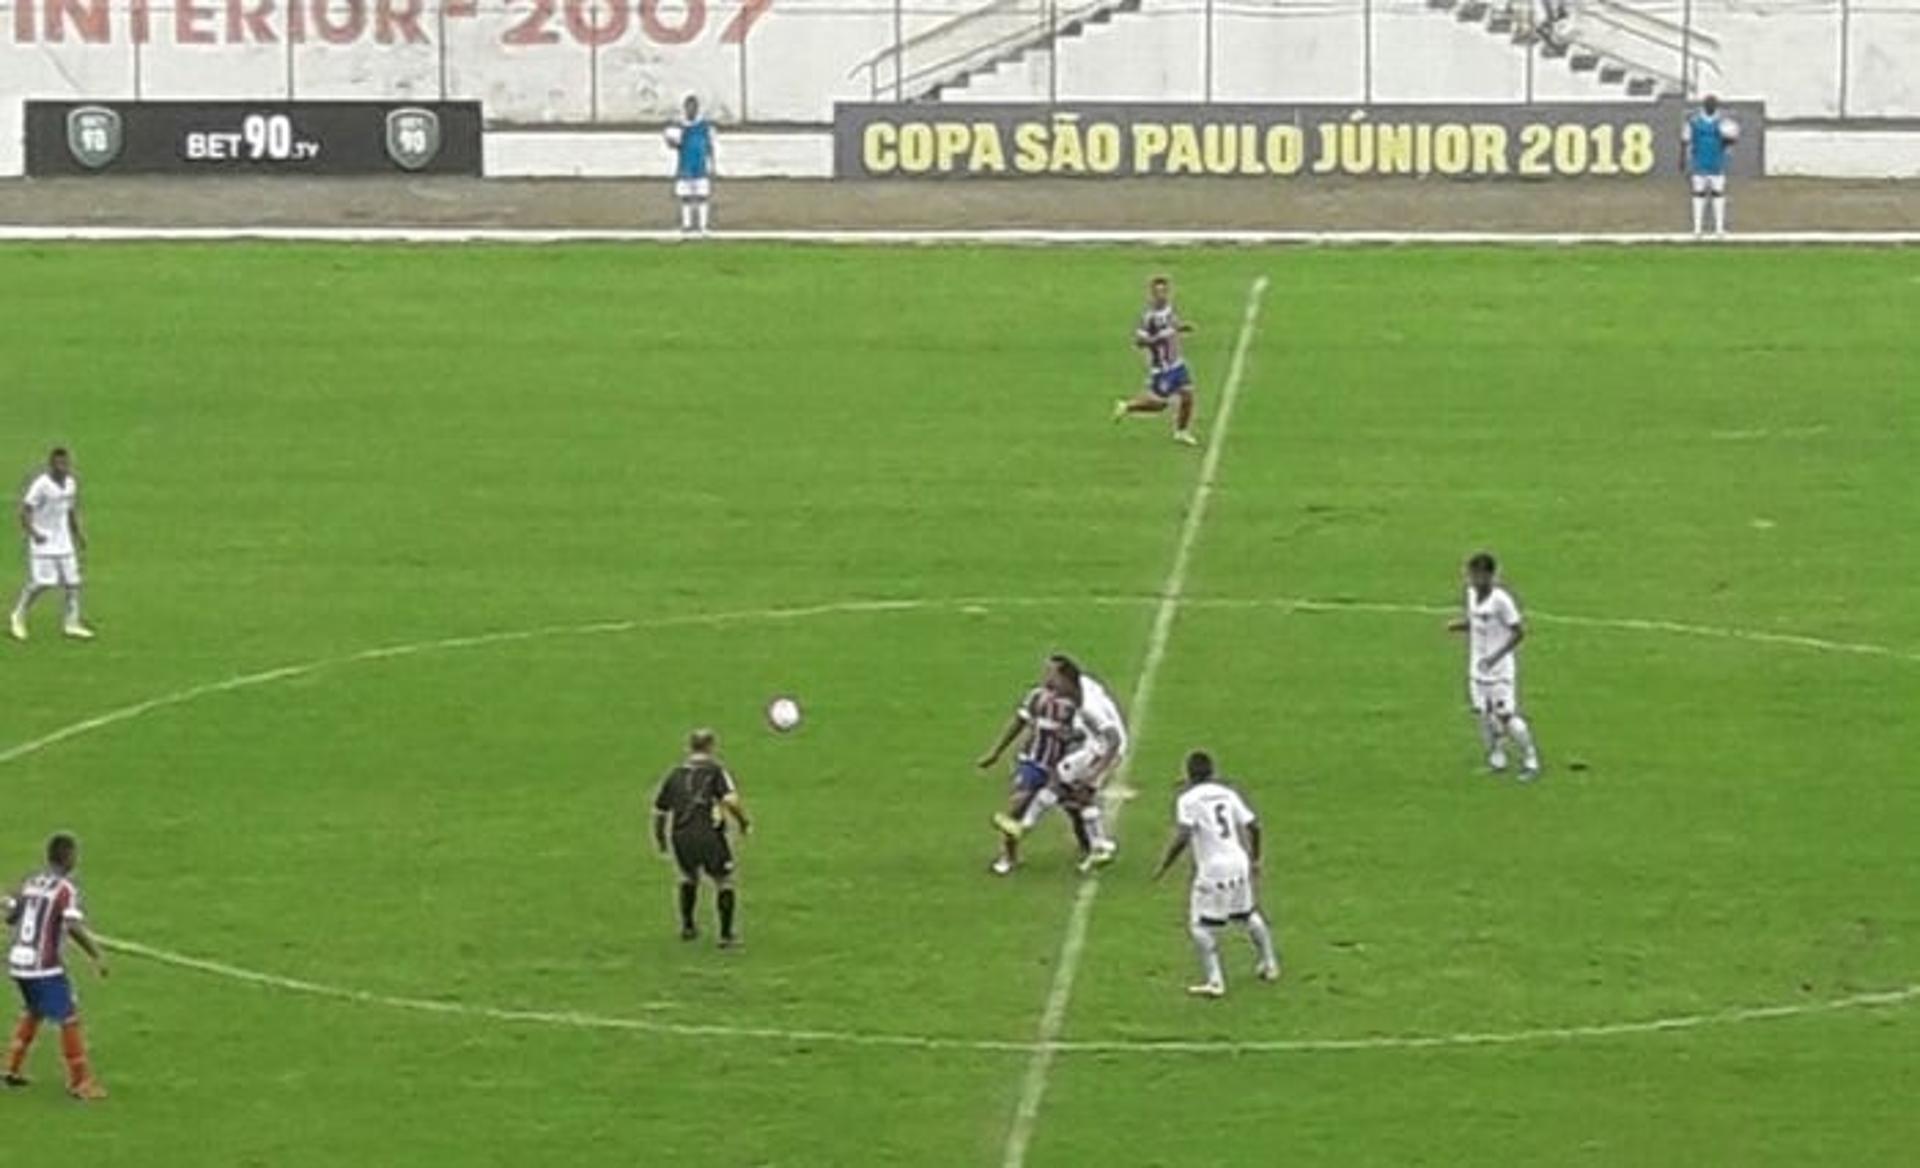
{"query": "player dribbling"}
{"type": "Point", "coordinates": [1494, 632]}
{"type": "Point", "coordinates": [1211, 818]}
{"type": "Point", "coordinates": [1098, 746]}
{"type": "Point", "coordinates": [50, 520]}
{"type": "Point", "coordinates": [1168, 378]}
{"type": "Point", "coordinates": [1046, 715]}
{"type": "Point", "coordinates": [42, 913]}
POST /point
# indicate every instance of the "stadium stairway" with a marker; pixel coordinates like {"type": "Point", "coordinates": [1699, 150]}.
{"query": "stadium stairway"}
{"type": "Point", "coordinates": [1023, 50]}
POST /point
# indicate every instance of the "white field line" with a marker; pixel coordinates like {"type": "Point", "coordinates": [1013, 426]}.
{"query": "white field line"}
{"type": "Point", "coordinates": [866, 607]}
{"type": "Point", "coordinates": [1053, 1019]}
{"type": "Point", "coordinates": [576, 1020]}
{"type": "Point", "coordinates": [1005, 237]}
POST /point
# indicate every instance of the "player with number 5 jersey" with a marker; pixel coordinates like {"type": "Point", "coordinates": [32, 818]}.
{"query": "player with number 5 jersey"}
{"type": "Point", "coordinates": [40, 915]}
{"type": "Point", "coordinates": [1213, 820]}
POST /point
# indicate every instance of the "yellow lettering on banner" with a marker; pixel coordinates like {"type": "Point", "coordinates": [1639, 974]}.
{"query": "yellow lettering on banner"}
{"type": "Point", "coordinates": [1149, 144]}
{"type": "Point", "coordinates": [1636, 148]}
{"type": "Point", "coordinates": [987, 156]}
{"type": "Point", "coordinates": [1286, 149]}
{"type": "Point", "coordinates": [1068, 156]}
{"type": "Point", "coordinates": [1329, 158]}
{"type": "Point", "coordinates": [916, 147]}
{"type": "Point", "coordinates": [1356, 145]}
{"type": "Point", "coordinates": [1219, 149]}
{"type": "Point", "coordinates": [1423, 149]}
{"type": "Point", "coordinates": [1103, 148]}
{"type": "Point", "coordinates": [1535, 140]}
{"type": "Point", "coordinates": [879, 148]}
{"type": "Point", "coordinates": [1452, 149]}
{"type": "Point", "coordinates": [950, 141]}
{"type": "Point", "coordinates": [1030, 148]}
{"type": "Point", "coordinates": [1570, 149]}
{"type": "Point", "coordinates": [1394, 154]}
{"type": "Point", "coordinates": [1489, 148]}
{"type": "Point", "coordinates": [1183, 154]}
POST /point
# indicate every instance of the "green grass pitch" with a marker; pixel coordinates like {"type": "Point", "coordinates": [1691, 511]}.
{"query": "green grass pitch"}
{"type": "Point", "coordinates": [297, 454]}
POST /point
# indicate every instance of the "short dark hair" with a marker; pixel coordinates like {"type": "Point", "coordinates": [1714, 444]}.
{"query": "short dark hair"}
{"type": "Point", "coordinates": [58, 452]}
{"type": "Point", "coordinates": [1160, 280]}
{"type": "Point", "coordinates": [1482, 562]}
{"type": "Point", "coordinates": [61, 847]}
{"type": "Point", "coordinates": [700, 741]}
{"type": "Point", "coordinates": [1066, 665]}
{"type": "Point", "coordinates": [1199, 766]}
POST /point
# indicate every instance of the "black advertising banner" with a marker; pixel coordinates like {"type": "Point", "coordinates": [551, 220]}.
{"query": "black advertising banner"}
{"type": "Point", "coordinates": [253, 137]}
{"type": "Point", "coordinates": [1571, 140]}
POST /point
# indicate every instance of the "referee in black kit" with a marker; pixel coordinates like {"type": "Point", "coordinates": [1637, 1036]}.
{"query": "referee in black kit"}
{"type": "Point", "coordinates": [693, 803]}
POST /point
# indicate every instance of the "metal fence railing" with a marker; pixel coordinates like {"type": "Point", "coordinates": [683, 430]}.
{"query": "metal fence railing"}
{"type": "Point", "coordinates": [612, 62]}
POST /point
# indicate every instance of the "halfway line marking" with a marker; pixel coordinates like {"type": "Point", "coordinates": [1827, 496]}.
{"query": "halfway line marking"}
{"type": "Point", "coordinates": [1053, 1019]}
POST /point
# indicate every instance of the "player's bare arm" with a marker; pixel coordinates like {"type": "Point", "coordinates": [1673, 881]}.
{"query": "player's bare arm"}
{"type": "Point", "coordinates": [1006, 739]}
{"type": "Point", "coordinates": [26, 525]}
{"type": "Point", "coordinates": [1176, 847]}
{"type": "Point", "coordinates": [660, 831]}
{"type": "Point", "coordinates": [1506, 650]}
{"type": "Point", "coordinates": [89, 946]}
{"type": "Point", "coordinates": [73, 525]}
{"type": "Point", "coordinates": [737, 811]}
{"type": "Point", "coordinates": [1253, 844]}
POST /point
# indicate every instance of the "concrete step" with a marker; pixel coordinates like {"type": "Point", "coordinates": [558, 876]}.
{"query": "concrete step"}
{"type": "Point", "coordinates": [1500, 23]}
{"type": "Point", "coordinates": [1584, 62]}
{"type": "Point", "coordinates": [1642, 86]}
{"type": "Point", "coordinates": [1473, 10]}
{"type": "Point", "coordinates": [1552, 50]}
{"type": "Point", "coordinates": [1613, 74]}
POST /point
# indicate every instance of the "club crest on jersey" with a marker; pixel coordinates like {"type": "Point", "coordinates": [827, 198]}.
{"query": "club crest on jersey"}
{"type": "Point", "coordinates": [94, 135]}
{"type": "Point", "coordinates": [413, 137]}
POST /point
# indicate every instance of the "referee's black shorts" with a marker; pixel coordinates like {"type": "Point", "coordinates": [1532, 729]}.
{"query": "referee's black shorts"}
{"type": "Point", "coordinates": [703, 852]}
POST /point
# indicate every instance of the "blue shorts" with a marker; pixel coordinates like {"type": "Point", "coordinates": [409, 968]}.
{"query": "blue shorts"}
{"type": "Point", "coordinates": [1169, 381]}
{"type": "Point", "coordinates": [49, 999]}
{"type": "Point", "coordinates": [1029, 775]}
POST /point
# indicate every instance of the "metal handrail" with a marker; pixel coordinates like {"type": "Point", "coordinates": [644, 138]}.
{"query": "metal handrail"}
{"type": "Point", "coordinates": [1049, 16]}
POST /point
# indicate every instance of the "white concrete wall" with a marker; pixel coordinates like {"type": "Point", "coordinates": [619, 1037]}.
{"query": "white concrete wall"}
{"type": "Point", "coordinates": [790, 60]}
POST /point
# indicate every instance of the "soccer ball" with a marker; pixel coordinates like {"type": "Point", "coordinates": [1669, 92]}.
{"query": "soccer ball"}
{"type": "Point", "coordinates": [783, 714]}
{"type": "Point", "coordinates": [673, 137]}
{"type": "Point", "coordinates": [1729, 130]}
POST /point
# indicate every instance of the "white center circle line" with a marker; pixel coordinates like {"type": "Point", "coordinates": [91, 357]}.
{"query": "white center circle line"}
{"type": "Point", "coordinates": [972, 606]}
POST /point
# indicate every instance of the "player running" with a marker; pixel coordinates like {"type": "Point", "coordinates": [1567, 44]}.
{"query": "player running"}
{"type": "Point", "coordinates": [1212, 819]}
{"type": "Point", "coordinates": [1494, 632]}
{"type": "Point", "coordinates": [41, 914]}
{"type": "Point", "coordinates": [1046, 715]}
{"type": "Point", "coordinates": [1159, 334]}
{"type": "Point", "coordinates": [690, 814]}
{"type": "Point", "coordinates": [1705, 141]}
{"type": "Point", "coordinates": [50, 519]}
{"type": "Point", "coordinates": [691, 140]}
{"type": "Point", "coordinates": [1099, 744]}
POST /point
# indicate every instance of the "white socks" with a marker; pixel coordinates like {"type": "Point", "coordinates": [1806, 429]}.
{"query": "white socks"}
{"type": "Point", "coordinates": [1096, 826]}
{"type": "Point", "coordinates": [1042, 800]}
{"type": "Point", "coordinates": [1719, 215]}
{"type": "Point", "coordinates": [21, 605]}
{"type": "Point", "coordinates": [694, 214]}
{"type": "Point", "coordinates": [1489, 734]}
{"type": "Point", "coordinates": [1262, 936]}
{"type": "Point", "coordinates": [1699, 214]}
{"type": "Point", "coordinates": [1522, 735]}
{"type": "Point", "coordinates": [1208, 947]}
{"type": "Point", "coordinates": [73, 607]}
{"type": "Point", "coordinates": [701, 211]}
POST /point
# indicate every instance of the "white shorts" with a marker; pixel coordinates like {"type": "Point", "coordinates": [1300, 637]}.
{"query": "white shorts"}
{"type": "Point", "coordinates": [693, 188]}
{"type": "Point", "coordinates": [1497, 696]}
{"type": "Point", "coordinates": [1221, 895]}
{"type": "Point", "coordinates": [1087, 766]}
{"type": "Point", "coordinates": [1709, 184]}
{"type": "Point", "coordinates": [53, 571]}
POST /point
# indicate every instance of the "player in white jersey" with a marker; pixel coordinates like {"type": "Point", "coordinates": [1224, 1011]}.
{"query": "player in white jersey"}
{"type": "Point", "coordinates": [1100, 743]}
{"type": "Point", "coordinates": [1494, 632]}
{"type": "Point", "coordinates": [50, 520]}
{"type": "Point", "coordinates": [1211, 818]}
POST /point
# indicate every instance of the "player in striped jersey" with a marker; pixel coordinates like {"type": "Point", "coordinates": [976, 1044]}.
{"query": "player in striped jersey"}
{"type": "Point", "coordinates": [1100, 742]}
{"type": "Point", "coordinates": [41, 914]}
{"type": "Point", "coordinates": [1168, 378]}
{"type": "Point", "coordinates": [1046, 716]}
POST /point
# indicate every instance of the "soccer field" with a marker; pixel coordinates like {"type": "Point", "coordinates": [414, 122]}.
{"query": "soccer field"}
{"type": "Point", "coordinates": [413, 566]}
